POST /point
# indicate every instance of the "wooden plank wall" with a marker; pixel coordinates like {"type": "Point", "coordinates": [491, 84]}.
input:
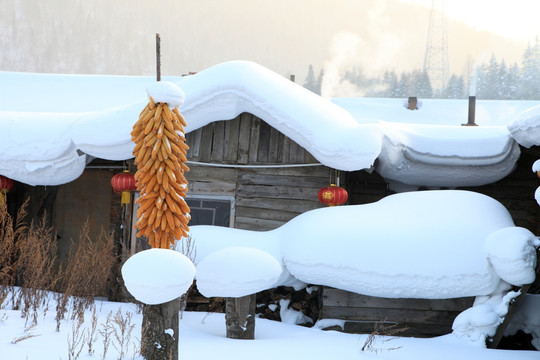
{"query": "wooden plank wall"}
{"type": "Point", "coordinates": [265, 197]}
{"type": "Point", "coordinates": [244, 140]}
{"type": "Point", "coordinates": [418, 317]}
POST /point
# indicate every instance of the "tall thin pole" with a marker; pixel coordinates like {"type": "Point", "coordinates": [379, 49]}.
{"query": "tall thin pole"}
{"type": "Point", "coordinates": [158, 57]}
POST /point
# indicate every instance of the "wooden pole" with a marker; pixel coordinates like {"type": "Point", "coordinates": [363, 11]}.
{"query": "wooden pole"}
{"type": "Point", "coordinates": [240, 317]}
{"type": "Point", "coordinates": [472, 112]}
{"type": "Point", "coordinates": [158, 57]}
{"type": "Point", "coordinates": [159, 334]}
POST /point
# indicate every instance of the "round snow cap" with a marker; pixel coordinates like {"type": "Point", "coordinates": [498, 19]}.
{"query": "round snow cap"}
{"type": "Point", "coordinates": [157, 276]}
{"type": "Point", "coordinates": [237, 272]}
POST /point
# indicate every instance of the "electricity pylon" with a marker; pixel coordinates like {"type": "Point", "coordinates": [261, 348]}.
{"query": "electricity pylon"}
{"type": "Point", "coordinates": [436, 56]}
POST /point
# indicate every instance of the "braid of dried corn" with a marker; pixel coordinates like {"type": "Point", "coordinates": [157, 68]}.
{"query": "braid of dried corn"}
{"type": "Point", "coordinates": [160, 152]}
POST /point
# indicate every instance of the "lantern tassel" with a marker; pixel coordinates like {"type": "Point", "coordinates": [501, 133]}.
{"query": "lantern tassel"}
{"type": "Point", "coordinates": [2, 196]}
{"type": "Point", "coordinates": [126, 198]}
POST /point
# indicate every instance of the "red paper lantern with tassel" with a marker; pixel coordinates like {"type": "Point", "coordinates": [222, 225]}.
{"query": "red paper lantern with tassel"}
{"type": "Point", "coordinates": [6, 184]}
{"type": "Point", "coordinates": [333, 195]}
{"type": "Point", "coordinates": [124, 182]}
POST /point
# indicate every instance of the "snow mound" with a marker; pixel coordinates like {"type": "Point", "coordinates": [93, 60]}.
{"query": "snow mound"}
{"type": "Point", "coordinates": [512, 252]}
{"type": "Point", "coordinates": [166, 92]}
{"type": "Point", "coordinates": [157, 276]}
{"type": "Point", "coordinates": [237, 272]}
{"type": "Point", "coordinates": [324, 129]}
{"type": "Point", "coordinates": [427, 244]}
{"type": "Point", "coordinates": [525, 129]}
{"type": "Point", "coordinates": [477, 323]}
{"type": "Point", "coordinates": [480, 322]}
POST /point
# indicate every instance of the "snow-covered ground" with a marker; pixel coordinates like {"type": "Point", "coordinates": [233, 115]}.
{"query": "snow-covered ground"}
{"type": "Point", "coordinates": [202, 336]}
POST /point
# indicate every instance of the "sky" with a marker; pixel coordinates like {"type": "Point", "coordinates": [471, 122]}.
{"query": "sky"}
{"type": "Point", "coordinates": [517, 19]}
{"type": "Point", "coordinates": [101, 37]}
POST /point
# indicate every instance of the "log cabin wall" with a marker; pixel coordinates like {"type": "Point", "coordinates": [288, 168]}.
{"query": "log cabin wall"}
{"type": "Point", "coordinates": [248, 161]}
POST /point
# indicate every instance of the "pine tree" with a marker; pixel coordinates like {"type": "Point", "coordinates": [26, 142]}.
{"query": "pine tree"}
{"type": "Point", "coordinates": [455, 89]}
{"type": "Point", "coordinates": [530, 72]}
{"type": "Point", "coordinates": [319, 82]}
{"type": "Point", "coordinates": [403, 86]}
{"type": "Point", "coordinates": [311, 83]}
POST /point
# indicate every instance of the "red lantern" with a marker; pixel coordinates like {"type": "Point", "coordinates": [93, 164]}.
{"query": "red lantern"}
{"type": "Point", "coordinates": [124, 182]}
{"type": "Point", "coordinates": [6, 184]}
{"type": "Point", "coordinates": [333, 195]}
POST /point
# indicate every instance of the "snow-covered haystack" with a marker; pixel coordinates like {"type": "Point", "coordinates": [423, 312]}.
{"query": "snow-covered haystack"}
{"type": "Point", "coordinates": [157, 276]}
{"type": "Point", "coordinates": [237, 272]}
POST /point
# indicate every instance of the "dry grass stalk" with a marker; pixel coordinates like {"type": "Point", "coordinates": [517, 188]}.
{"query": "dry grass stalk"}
{"type": "Point", "coordinates": [382, 332]}
{"type": "Point", "coordinates": [27, 259]}
{"type": "Point", "coordinates": [90, 266]}
{"type": "Point", "coordinates": [186, 245]}
{"type": "Point", "coordinates": [76, 340]}
{"type": "Point", "coordinates": [122, 332]}
{"type": "Point", "coordinates": [106, 334]}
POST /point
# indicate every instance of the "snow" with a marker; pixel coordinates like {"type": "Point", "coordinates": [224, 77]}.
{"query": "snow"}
{"type": "Point", "coordinates": [237, 272]}
{"type": "Point", "coordinates": [427, 244]}
{"type": "Point", "coordinates": [291, 316]}
{"type": "Point", "coordinates": [430, 244]}
{"type": "Point", "coordinates": [407, 245]}
{"type": "Point", "coordinates": [54, 124]}
{"type": "Point", "coordinates": [156, 276]}
{"type": "Point", "coordinates": [202, 336]}
{"type": "Point", "coordinates": [512, 253]}
{"type": "Point", "coordinates": [166, 92]}
{"type": "Point", "coordinates": [526, 127]}
{"type": "Point", "coordinates": [434, 244]}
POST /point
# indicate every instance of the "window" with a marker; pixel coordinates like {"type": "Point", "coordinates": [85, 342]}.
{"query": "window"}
{"type": "Point", "coordinates": [208, 210]}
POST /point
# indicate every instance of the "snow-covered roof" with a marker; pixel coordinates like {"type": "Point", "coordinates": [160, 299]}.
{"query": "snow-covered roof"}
{"type": "Point", "coordinates": [46, 118]}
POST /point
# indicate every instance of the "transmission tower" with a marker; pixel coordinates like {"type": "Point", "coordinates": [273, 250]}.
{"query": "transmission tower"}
{"type": "Point", "coordinates": [436, 56]}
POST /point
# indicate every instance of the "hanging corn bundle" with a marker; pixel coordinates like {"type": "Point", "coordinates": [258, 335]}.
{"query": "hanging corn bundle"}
{"type": "Point", "coordinates": [160, 155]}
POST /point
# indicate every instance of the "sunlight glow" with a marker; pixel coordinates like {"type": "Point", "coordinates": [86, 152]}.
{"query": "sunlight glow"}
{"type": "Point", "coordinates": [517, 19]}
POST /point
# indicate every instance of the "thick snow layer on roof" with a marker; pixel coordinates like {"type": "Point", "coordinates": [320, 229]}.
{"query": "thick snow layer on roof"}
{"type": "Point", "coordinates": [428, 244]}
{"type": "Point", "coordinates": [326, 130]}
{"type": "Point", "coordinates": [526, 127]}
{"type": "Point", "coordinates": [46, 118]}
{"type": "Point", "coordinates": [452, 112]}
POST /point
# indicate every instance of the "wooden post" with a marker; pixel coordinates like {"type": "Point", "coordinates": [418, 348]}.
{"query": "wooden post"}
{"type": "Point", "coordinates": [472, 112]}
{"type": "Point", "coordinates": [240, 317]}
{"type": "Point", "coordinates": [158, 57]}
{"type": "Point", "coordinates": [159, 335]}
{"type": "Point", "coordinates": [413, 103]}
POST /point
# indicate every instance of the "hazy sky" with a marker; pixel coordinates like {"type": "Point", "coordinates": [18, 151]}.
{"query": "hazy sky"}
{"type": "Point", "coordinates": [515, 19]}
{"type": "Point", "coordinates": [118, 37]}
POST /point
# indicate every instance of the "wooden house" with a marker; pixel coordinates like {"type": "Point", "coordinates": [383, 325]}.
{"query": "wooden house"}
{"type": "Point", "coordinates": [248, 174]}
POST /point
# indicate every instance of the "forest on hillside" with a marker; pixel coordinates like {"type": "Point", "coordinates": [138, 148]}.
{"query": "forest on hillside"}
{"type": "Point", "coordinates": [493, 80]}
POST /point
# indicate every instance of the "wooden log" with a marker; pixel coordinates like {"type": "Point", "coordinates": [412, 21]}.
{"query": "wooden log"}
{"type": "Point", "coordinates": [240, 317]}
{"type": "Point", "coordinates": [218, 142]}
{"type": "Point", "coordinates": [159, 334]}
{"type": "Point", "coordinates": [243, 138]}
{"type": "Point", "coordinates": [254, 140]}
